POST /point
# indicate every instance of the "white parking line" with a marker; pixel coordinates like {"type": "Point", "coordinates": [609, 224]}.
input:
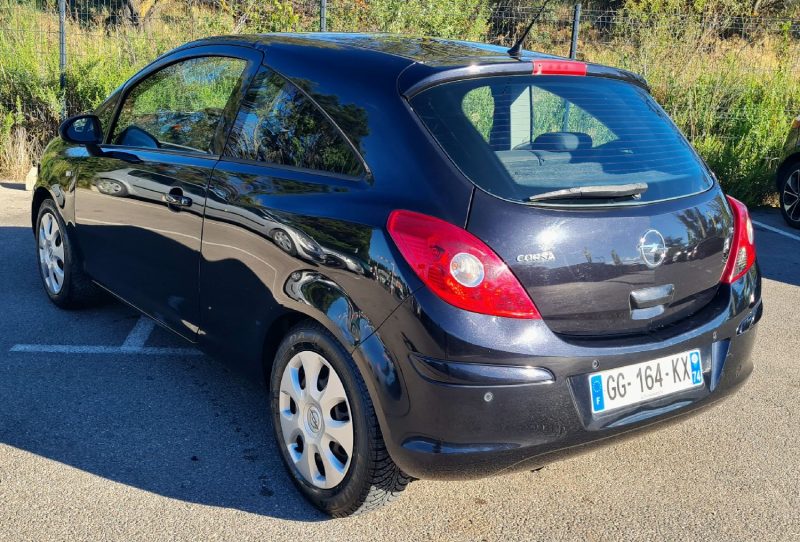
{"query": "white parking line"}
{"type": "Point", "coordinates": [134, 344]}
{"type": "Point", "coordinates": [776, 230]}
{"type": "Point", "coordinates": [87, 349]}
{"type": "Point", "coordinates": [138, 336]}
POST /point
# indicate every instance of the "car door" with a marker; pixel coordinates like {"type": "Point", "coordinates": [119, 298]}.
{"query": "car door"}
{"type": "Point", "coordinates": [281, 200]}
{"type": "Point", "coordinates": [140, 200]}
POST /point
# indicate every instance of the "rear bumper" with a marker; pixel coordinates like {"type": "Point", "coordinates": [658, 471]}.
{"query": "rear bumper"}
{"type": "Point", "coordinates": [460, 419]}
{"type": "Point", "coordinates": [527, 426]}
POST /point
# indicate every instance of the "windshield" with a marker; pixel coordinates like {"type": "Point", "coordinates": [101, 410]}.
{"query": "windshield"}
{"type": "Point", "coordinates": [521, 136]}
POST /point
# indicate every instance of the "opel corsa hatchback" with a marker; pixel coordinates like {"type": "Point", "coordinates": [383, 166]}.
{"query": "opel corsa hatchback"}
{"type": "Point", "coordinates": [448, 262]}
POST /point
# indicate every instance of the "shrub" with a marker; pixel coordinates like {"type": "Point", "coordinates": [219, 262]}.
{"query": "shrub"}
{"type": "Point", "coordinates": [17, 148]}
{"type": "Point", "coordinates": [733, 94]}
{"type": "Point", "coordinates": [461, 19]}
{"type": "Point", "coordinates": [734, 97]}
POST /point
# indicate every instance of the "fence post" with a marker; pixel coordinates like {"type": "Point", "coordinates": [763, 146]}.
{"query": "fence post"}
{"type": "Point", "coordinates": [573, 52]}
{"type": "Point", "coordinates": [576, 21]}
{"type": "Point", "coordinates": [62, 55]}
{"type": "Point", "coordinates": [323, 15]}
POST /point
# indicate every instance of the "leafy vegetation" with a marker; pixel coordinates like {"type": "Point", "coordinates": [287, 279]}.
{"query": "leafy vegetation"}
{"type": "Point", "coordinates": [734, 97]}
{"type": "Point", "coordinates": [730, 82]}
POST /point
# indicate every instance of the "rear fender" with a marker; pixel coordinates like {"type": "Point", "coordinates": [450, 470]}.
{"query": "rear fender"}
{"type": "Point", "coordinates": [325, 301]}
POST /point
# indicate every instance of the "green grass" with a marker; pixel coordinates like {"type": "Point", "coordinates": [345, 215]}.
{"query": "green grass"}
{"type": "Point", "coordinates": [734, 98]}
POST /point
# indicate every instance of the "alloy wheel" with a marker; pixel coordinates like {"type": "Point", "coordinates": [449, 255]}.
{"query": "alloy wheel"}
{"type": "Point", "coordinates": [791, 196]}
{"type": "Point", "coordinates": [51, 253]}
{"type": "Point", "coordinates": [110, 187]}
{"type": "Point", "coordinates": [283, 240]}
{"type": "Point", "coordinates": [315, 419]}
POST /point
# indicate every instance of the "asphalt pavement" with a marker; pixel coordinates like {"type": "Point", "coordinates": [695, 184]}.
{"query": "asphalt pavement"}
{"type": "Point", "coordinates": [111, 429]}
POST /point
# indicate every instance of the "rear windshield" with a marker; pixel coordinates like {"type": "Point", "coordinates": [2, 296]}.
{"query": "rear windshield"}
{"type": "Point", "coordinates": [522, 136]}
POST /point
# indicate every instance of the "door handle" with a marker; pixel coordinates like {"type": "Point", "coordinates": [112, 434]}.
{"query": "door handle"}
{"type": "Point", "coordinates": [175, 198]}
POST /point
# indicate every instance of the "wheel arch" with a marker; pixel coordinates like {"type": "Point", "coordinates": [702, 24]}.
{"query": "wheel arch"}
{"type": "Point", "coordinates": [275, 334]}
{"type": "Point", "coordinates": [315, 297]}
{"type": "Point", "coordinates": [39, 196]}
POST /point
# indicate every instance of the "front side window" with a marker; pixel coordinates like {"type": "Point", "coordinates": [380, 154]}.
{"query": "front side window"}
{"type": "Point", "coordinates": [179, 107]}
{"type": "Point", "coordinates": [105, 111]}
{"type": "Point", "coordinates": [278, 124]}
{"type": "Point", "coordinates": [522, 136]}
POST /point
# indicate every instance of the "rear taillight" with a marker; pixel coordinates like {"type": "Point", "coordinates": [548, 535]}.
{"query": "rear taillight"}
{"type": "Point", "coordinates": [459, 267]}
{"type": "Point", "coordinates": [742, 253]}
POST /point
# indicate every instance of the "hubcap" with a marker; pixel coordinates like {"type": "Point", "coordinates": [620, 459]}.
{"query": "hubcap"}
{"type": "Point", "coordinates": [791, 196]}
{"type": "Point", "coordinates": [51, 253]}
{"type": "Point", "coordinates": [283, 240]}
{"type": "Point", "coordinates": [109, 187]}
{"type": "Point", "coordinates": [315, 420]}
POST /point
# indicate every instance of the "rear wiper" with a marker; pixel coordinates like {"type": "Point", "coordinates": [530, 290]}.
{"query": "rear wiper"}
{"type": "Point", "coordinates": [596, 191]}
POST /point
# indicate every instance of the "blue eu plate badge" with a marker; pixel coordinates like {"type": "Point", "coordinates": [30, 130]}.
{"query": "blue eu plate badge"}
{"type": "Point", "coordinates": [597, 393]}
{"type": "Point", "coordinates": [697, 370]}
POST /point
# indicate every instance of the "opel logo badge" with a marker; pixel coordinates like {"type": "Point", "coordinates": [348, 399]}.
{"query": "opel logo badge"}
{"type": "Point", "coordinates": [314, 419]}
{"type": "Point", "coordinates": [653, 248]}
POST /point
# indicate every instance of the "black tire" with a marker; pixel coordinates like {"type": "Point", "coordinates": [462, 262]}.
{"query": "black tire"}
{"type": "Point", "coordinates": [372, 480]}
{"type": "Point", "coordinates": [789, 191]}
{"type": "Point", "coordinates": [77, 289]}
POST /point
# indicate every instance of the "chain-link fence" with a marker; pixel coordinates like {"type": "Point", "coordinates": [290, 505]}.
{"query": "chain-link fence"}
{"type": "Point", "coordinates": [731, 83]}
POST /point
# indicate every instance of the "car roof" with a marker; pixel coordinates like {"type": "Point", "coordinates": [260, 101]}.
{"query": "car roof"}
{"type": "Point", "coordinates": [426, 50]}
{"type": "Point", "coordinates": [424, 58]}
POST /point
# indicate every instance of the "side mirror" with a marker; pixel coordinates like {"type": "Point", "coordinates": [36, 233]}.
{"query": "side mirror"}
{"type": "Point", "coordinates": [82, 130]}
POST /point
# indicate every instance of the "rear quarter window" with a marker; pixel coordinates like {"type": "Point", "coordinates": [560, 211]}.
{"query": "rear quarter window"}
{"type": "Point", "coordinates": [519, 136]}
{"type": "Point", "coordinates": [278, 124]}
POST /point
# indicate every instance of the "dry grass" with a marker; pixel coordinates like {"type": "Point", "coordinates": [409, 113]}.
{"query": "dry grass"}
{"type": "Point", "coordinates": [17, 153]}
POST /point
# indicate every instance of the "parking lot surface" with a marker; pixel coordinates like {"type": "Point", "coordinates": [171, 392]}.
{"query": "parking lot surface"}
{"type": "Point", "coordinates": [111, 429]}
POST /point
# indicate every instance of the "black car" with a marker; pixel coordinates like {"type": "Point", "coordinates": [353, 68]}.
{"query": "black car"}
{"type": "Point", "coordinates": [788, 178]}
{"type": "Point", "coordinates": [447, 261]}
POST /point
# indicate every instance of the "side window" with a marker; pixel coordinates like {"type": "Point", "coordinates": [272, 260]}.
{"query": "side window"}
{"type": "Point", "coordinates": [277, 123]}
{"type": "Point", "coordinates": [478, 106]}
{"type": "Point", "coordinates": [553, 113]}
{"type": "Point", "coordinates": [527, 112]}
{"type": "Point", "coordinates": [104, 113]}
{"type": "Point", "coordinates": [180, 106]}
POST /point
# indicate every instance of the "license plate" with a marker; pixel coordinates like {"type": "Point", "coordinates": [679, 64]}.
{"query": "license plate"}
{"type": "Point", "coordinates": [632, 384]}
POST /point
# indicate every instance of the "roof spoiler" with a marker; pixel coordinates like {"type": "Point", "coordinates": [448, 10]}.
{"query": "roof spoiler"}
{"type": "Point", "coordinates": [524, 67]}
